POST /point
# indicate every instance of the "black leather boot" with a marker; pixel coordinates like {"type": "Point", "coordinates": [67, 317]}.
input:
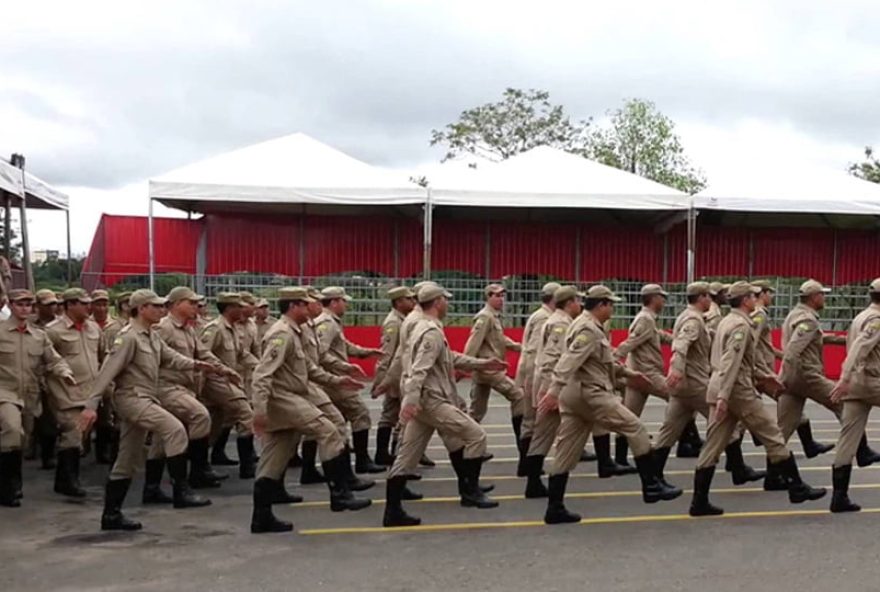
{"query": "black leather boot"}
{"type": "Point", "coordinates": [362, 461]}
{"type": "Point", "coordinates": [383, 441]}
{"type": "Point", "coordinates": [355, 483]}
{"type": "Point", "coordinates": [516, 422]}
{"type": "Point", "coordinates": [153, 493]}
{"type": "Point", "coordinates": [201, 476]}
{"type": "Point", "coordinates": [798, 491]}
{"type": "Point", "coordinates": [740, 472]}
{"type": "Point", "coordinates": [8, 487]}
{"type": "Point", "coordinates": [114, 496]}
{"type": "Point", "coordinates": [67, 473]}
{"type": "Point", "coordinates": [534, 487]}
{"type": "Point", "coordinates": [426, 462]}
{"type": "Point", "coordinates": [653, 490]}
{"type": "Point", "coordinates": [279, 494]}
{"type": "Point", "coordinates": [661, 455]}
{"type": "Point", "coordinates": [262, 519]}
{"type": "Point", "coordinates": [587, 456]}
{"type": "Point", "coordinates": [621, 451]}
{"type": "Point", "coordinates": [473, 496]}
{"type": "Point", "coordinates": [556, 512]}
{"type": "Point", "coordinates": [457, 460]}
{"type": "Point", "coordinates": [184, 497]}
{"type": "Point", "coordinates": [812, 448]}
{"type": "Point", "coordinates": [218, 451]}
{"type": "Point", "coordinates": [774, 480]}
{"type": "Point", "coordinates": [689, 443]}
{"type": "Point", "coordinates": [866, 457]}
{"type": "Point", "coordinates": [840, 501]}
{"type": "Point", "coordinates": [606, 466]}
{"type": "Point", "coordinates": [395, 515]}
{"type": "Point", "coordinates": [341, 497]}
{"type": "Point", "coordinates": [103, 443]}
{"type": "Point", "coordinates": [47, 449]}
{"type": "Point", "coordinates": [700, 505]}
{"type": "Point", "coordinates": [309, 473]}
{"type": "Point", "coordinates": [247, 460]}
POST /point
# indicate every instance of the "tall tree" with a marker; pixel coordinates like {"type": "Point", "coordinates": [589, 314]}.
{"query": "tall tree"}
{"type": "Point", "coordinates": [869, 170]}
{"type": "Point", "coordinates": [641, 140]}
{"type": "Point", "coordinates": [520, 121]}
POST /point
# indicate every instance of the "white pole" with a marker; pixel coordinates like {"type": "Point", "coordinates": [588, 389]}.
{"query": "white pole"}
{"type": "Point", "coordinates": [427, 232]}
{"type": "Point", "coordinates": [151, 252]}
{"type": "Point", "coordinates": [692, 240]}
{"type": "Point", "coordinates": [69, 262]}
{"type": "Point", "coordinates": [18, 160]}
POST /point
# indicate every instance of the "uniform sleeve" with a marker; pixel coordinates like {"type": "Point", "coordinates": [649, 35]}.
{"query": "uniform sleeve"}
{"type": "Point", "coordinates": [274, 354]}
{"type": "Point", "coordinates": [580, 346]}
{"type": "Point", "coordinates": [333, 364]}
{"type": "Point", "coordinates": [171, 358]}
{"type": "Point", "coordinates": [833, 339]}
{"type": "Point", "coordinates": [641, 332]}
{"type": "Point", "coordinates": [688, 333]}
{"type": "Point", "coordinates": [512, 344]}
{"type": "Point", "coordinates": [356, 351]}
{"type": "Point", "coordinates": [425, 356]}
{"type": "Point", "coordinates": [326, 332]}
{"type": "Point", "coordinates": [395, 369]}
{"type": "Point", "coordinates": [665, 336]}
{"type": "Point", "coordinates": [802, 334]}
{"type": "Point", "coordinates": [550, 354]}
{"type": "Point", "coordinates": [55, 364]}
{"type": "Point", "coordinates": [731, 360]}
{"type": "Point", "coordinates": [390, 340]}
{"type": "Point", "coordinates": [209, 336]}
{"type": "Point", "coordinates": [321, 376]}
{"type": "Point", "coordinates": [464, 362]}
{"type": "Point", "coordinates": [478, 334]}
{"type": "Point", "coordinates": [121, 355]}
{"type": "Point", "coordinates": [865, 341]}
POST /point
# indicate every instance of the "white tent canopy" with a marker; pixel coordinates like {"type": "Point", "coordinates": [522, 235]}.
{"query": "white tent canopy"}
{"type": "Point", "coordinates": [804, 190]}
{"type": "Point", "coordinates": [290, 169]}
{"type": "Point", "coordinates": [40, 194]}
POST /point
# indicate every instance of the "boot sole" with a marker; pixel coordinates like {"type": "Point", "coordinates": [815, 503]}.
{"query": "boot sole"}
{"type": "Point", "coordinates": [479, 505]}
{"type": "Point", "coordinates": [401, 523]}
{"type": "Point", "coordinates": [700, 513]}
{"type": "Point", "coordinates": [807, 498]}
{"type": "Point", "coordinates": [574, 518]}
{"type": "Point", "coordinates": [744, 480]}
{"type": "Point", "coordinates": [844, 509]}
{"type": "Point", "coordinates": [815, 453]}
{"type": "Point", "coordinates": [271, 529]}
{"type": "Point", "coordinates": [184, 506]}
{"type": "Point", "coordinates": [352, 507]}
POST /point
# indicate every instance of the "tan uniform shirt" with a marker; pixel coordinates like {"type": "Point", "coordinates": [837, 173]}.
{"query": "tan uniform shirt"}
{"type": "Point", "coordinates": [733, 359]}
{"type": "Point", "coordinates": [221, 339]}
{"type": "Point", "coordinates": [766, 353]}
{"type": "Point", "coordinates": [531, 343]}
{"type": "Point", "coordinates": [181, 337]}
{"type": "Point", "coordinates": [134, 362]}
{"type": "Point", "coordinates": [487, 338]}
{"type": "Point", "coordinates": [587, 359]}
{"type": "Point", "coordinates": [83, 350]}
{"type": "Point", "coordinates": [713, 318]}
{"type": "Point", "coordinates": [862, 365]}
{"type": "Point", "coordinates": [263, 327]}
{"type": "Point", "coordinates": [642, 345]}
{"type": "Point", "coordinates": [802, 340]}
{"type": "Point", "coordinates": [390, 344]}
{"type": "Point", "coordinates": [24, 358]}
{"type": "Point", "coordinates": [394, 373]}
{"type": "Point", "coordinates": [551, 344]}
{"type": "Point", "coordinates": [332, 341]}
{"type": "Point", "coordinates": [691, 350]}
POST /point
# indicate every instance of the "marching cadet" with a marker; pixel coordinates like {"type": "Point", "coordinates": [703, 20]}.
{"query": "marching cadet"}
{"type": "Point", "coordinates": [487, 340]}
{"type": "Point", "coordinates": [204, 315]}
{"type": "Point", "coordinates": [338, 350]}
{"type": "Point", "coordinates": [26, 354]}
{"type": "Point", "coordinates": [133, 364]}
{"type": "Point", "coordinates": [733, 398]}
{"type": "Point", "coordinates": [430, 402]}
{"type": "Point", "coordinates": [282, 411]}
{"type": "Point", "coordinates": [582, 390]}
{"type": "Point", "coordinates": [859, 390]}
{"type": "Point", "coordinates": [525, 369]}
{"type": "Point", "coordinates": [402, 303]}
{"type": "Point", "coordinates": [78, 339]}
{"type": "Point", "coordinates": [226, 401]}
{"type": "Point", "coordinates": [177, 395]}
{"type": "Point", "coordinates": [249, 335]}
{"type": "Point", "coordinates": [718, 291]}
{"type": "Point", "coordinates": [42, 432]}
{"type": "Point", "coordinates": [803, 369]}
{"type": "Point", "coordinates": [106, 434]}
{"type": "Point", "coordinates": [263, 319]}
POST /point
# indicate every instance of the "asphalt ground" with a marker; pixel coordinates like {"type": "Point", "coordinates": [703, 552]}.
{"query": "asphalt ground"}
{"type": "Point", "coordinates": [761, 543]}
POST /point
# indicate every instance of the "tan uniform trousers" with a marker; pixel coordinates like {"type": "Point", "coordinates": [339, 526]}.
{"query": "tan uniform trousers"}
{"type": "Point", "coordinates": [790, 406]}
{"type": "Point", "coordinates": [456, 427]}
{"type": "Point", "coordinates": [11, 428]}
{"type": "Point", "coordinates": [279, 445]}
{"type": "Point", "coordinates": [390, 410]}
{"type": "Point", "coordinates": [854, 422]}
{"type": "Point", "coordinates": [752, 413]}
{"type": "Point", "coordinates": [530, 407]}
{"type": "Point", "coordinates": [679, 413]}
{"type": "Point", "coordinates": [482, 388]}
{"type": "Point", "coordinates": [545, 430]}
{"type": "Point", "coordinates": [352, 407]}
{"type": "Point", "coordinates": [182, 404]}
{"type": "Point", "coordinates": [138, 417]}
{"type": "Point", "coordinates": [580, 413]}
{"type": "Point", "coordinates": [228, 407]}
{"type": "Point", "coordinates": [635, 400]}
{"type": "Point", "coordinates": [333, 414]}
{"type": "Point", "coordinates": [69, 435]}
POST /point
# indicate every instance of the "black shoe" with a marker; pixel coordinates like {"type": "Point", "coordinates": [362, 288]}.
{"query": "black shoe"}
{"type": "Point", "coordinates": [47, 452]}
{"type": "Point", "coordinates": [10, 466]}
{"type": "Point", "coordinates": [362, 461]}
{"type": "Point", "coordinates": [865, 456]}
{"type": "Point", "coordinates": [740, 472]}
{"type": "Point", "coordinates": [338, 475]}
{"type": "Point", "coordinates": [686, 450]}
{"type": "Point", "coordinates": [354, 482]}
{"type": "Point", "coordinates": [840, 501]}
{"type": "Point", "coordinates": [395, 515]}
{"type": "Point", "coordinates": [295, 461]}
{"type": "Point", "coordinates": [473, 496]}
{"type": "Point", "coordinates": [621, 452]}
{"type": "Point", "coordinates": [653, 490]}
{"type": "Point", "coordinates": [218, 451]}
{"type": "Point", "coordinates": [183, 496]}
{"type": "Point", "coordinates": [774, 480]}
{"type": "Point", "coordinates": [153, 493]}
{"type": "Point", "coordinates": [103, 444]}
{"type": "Point", "coordinates": [798, 491]}
{"type": "Point", "coordinates": [755, 440]}
{"type": "Point", "coordinates": [700, 505]}
{"type": "Point", "coordinates": [423, 462]}
{"type": "Point", "coordinates": [309, 473]}
{"type": "Point", "coordinates": [247, 464]}
{"type": "Point", "coordinates": [812, 448]}
{"type": "Point", "coordinates": [67, 473]}
{"type": "Point", "coordinates": [279, 494]}
{"type": "Point", "coordinates": [661, 455]}
{"type": "Point", "coordinates": [114, 496]}
{"type": "Point", "coordinates": [534, 487]}
{"type": "Point", "coordinates": [689, 443]}
{"type": "Point", "coordinates": [383, 441]}
{"type": "Point", "coordinates": [605, 465]}
{"type": "Point", "coordinates": [262, 519]}
{"type": "Point", "coordinates": [201, 475]}
{"type": "Point", "coordinates": [556, 512]}
{"type": "Point", "coordinates": [587, 456]}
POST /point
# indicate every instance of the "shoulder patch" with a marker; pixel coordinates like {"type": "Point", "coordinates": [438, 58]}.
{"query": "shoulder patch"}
{"type": "Point", "coordinates": [117, 341]}
{"type": "Point", "coordinates": [803, 327]}
{"type": "Point", "coordinates": [390, 330]}
{"type": "Point", "coordinates": [559, 329]}
{"type": "Point", "coordinates": [739, 335]}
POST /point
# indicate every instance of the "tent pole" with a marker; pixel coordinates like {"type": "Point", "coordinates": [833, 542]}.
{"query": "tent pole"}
{"type": "Point", "coordinates": [692, 239]}
{"type": "Point", "coordinates": [69, 262]}
{"type": "Point", "coordinates": [150, 245]}
{"type": "Point", "coordinates": [18, 161]}
{"type": "Point", "coordinates": [427, 235]}
{"type": "Point", "coordinates": [7, 228]}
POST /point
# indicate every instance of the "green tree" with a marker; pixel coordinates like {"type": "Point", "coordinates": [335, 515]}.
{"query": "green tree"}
{"type": "Point", "coordinates": [869, 170]}
{"type": "Point", "coordinates": [520, 121]}
{"type": "Point", "coordinates": [641, 140]}
{"type": "Point", "coordinates": [52, 273]}
{"type": "Point", "coordinates": [15, 247]}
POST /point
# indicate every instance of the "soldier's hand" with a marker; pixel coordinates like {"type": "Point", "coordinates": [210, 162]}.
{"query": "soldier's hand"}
{"type": "Point", "coordinates": [547, 404]}
{"type": "Point", "coordinates": [206, 367]}
{"type": "Point", "coordinates": [772, 386]}
{"type": "Point", "coordinates": [840, 390]}
{"type": "Point", "coordinates": [458, 375]}
{"type": "Point", "coordinates": [374, 352]}
{"type": "Point", "coordinates": [347, 383]}
{"type": "Point", "coordinates": [234, 377]}
{"type": "Point", "coordinates": [259, 424]}
{"type": "Point", "coordinates": [87, 418]}
{"type": "Point", "coordinates": [640, 382]}
{"type": "Point", "coordinates": [70, 380]}
{"type": "Point", "coordinates": [674, 379]}
{"type": "Point", "coordinates": [720, 410]}
{"type": "Point", "coordinates": [408, 412]}
{"type": "Point", "coordinates": [495, 365]}
{"type": "Point", "coordinates": [357, 371]}
{"type": "Point", "coordinates": [379, 389]}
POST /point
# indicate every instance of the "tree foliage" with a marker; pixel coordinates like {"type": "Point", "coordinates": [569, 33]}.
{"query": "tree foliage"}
{"type": "Point", "coordinates": [869, 169]}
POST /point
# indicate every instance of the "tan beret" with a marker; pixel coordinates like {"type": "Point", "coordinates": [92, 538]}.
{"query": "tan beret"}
{"type": "Point", "coordinates": [494, 289]}
{"type": "Point", "coordinates": [600, 292]}
{"type": "Point", "coordinates": [229, 298]}
{"type": "Point", "coordinates": [549, 289]}
{"type": "Point", "coordinates": [431, 291]}
{"type": "Point", "coordinates": [810, 287]}
{"type": "Point", "coordinates": [20, 294]}
{"type": "Point", "coordinates": [100, 295]}
{"type": "Point", "coordinates": [183, 293]}
{"type": "Point", "coordinates": [140, 298]}
{"type": "Point", "coordinates": [698, 289]}
{"type": "Point", "coordinates": [742, 288]}
{"type": "Point", "coordinates": [248, 298]}
{"type": "Point", "coordinates": [46, 297]}
{"type": "Point", "coordinates": [652, 289]}
{"type": "Point", "coordinates": [76, 295]}
{"type": "Point", "coordinates": [333, 292]}
{"type": "Point", "coordinates": [563, 293]}
{"type": "Point", "coordinates": [295, 293]}
{"type": "Point", "coordinates": [400, 292]}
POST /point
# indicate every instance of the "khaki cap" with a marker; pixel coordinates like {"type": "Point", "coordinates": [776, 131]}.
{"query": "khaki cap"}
{"type": "Point", "coordinates": [550, 289]}
{"type": "Point", "coordinates": [313, 292]}
{"type": "Point", "coordinates": [874, 287]}
{"type": "Point", "coordinates": [600, 292]}
{"type": "Point", "coordinates": [248, 298]}
{"type": "Point", "coordinates": [295, 293]}
{"type": "Point", "coordinates": [716, 288]}
{"type": "Point", "coordinates": [333, 292]}
{"type": "Point", "coordinates": [229, 298]}
{"type": "Point", "coordinates": [651, 289]}
{"type": "Point", "coordinates": [431, 291]}
{"type": "Point", "coordinates": [263, 303]}
{"type": "Point", "coordinates": [122, 297]}
{"type": "Point", "coordinates": [698, 289]}
{"type": "Point", "coordinates": [400, 292]}
{"type": "Point", "coordinates": [566, 292]}
{"type": "Point", "coordinates": [100, 295]}
{"type": "Point", "coordinates": [810, 287]}
{"type": "Point", "coordinates": [139, 298]}
{"type": "Point", "coordinates": [494, 289]}
{"type": "Point", "coordinates": [46, 297]}
{"type": "Point", "coordinates": [76, 295]}
{"type": "Point", "coordinates": [183, 293]}
{"type": "Point", "coordinates": [742, 288]}
{"type": "Point", "coordinates": [20, 294]}
{"type": "Point", "coordinates": [765, 285]}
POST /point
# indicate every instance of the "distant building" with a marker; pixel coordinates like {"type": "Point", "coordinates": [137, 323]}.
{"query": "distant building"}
{"type": "Point", "coordinates": [40, 257]}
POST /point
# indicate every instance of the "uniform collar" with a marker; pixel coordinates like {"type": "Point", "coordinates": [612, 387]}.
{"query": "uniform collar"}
{"type": "Point", "coordinates": [803, 307]}
{"type": "Point", "coordinates": [293, 324]}
{"type": "Point", "coordinates": [547, 308]}
{"type": "Point", "coordinates": [11, 324]}
{"type": "Point", "coordinates": [398, 314]}
{"type": "Point", "coordinates": [492, 311]}
{"type": "Point", "coordinates": [741, 314]}
{"type": "Point", "coordinates": [693, 308]}
{"type": "Point", "coordinates": [649, 312]}
{"type": "Point", "coordinates": [139, 327]}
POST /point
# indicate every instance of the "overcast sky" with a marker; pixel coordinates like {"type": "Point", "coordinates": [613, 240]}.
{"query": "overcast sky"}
{"type": "Point", "coordinates": [102, 95]}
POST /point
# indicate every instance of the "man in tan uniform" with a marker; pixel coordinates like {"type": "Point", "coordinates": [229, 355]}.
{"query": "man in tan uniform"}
{"type": "Point", "coordinates": [525, 369]}
{"type": "Point", "coordinates": [249, 335]}
{"type": "Point", "coordinates": [26, 355]}
{"type": "Point", "coordinates": [858, 390]}
{"type": "Point", "coordinates": [487, 340]}
{"type": "Point", "coordinates": [133, 365]}
{"type": "Point", "coordinates": [328, 327]}
{"type": "Point", "coordinates": [283, 410]}
{"type": "Point", "coordinates": [78, 339]}
{"type": "Point", "coordinates": [226, 400]}
{"type": "Point", "coordinates": [430, 402]}
{"type": "Point", "coordinates": [402, 302]}
{"type": "Point", "coordinates": [583, 390]}
{"type": "Point", "coordinates": [41, 432]}
{"type": "Point", "coordinates": [106, 433]}
{"type": "Point", "coordinates": [263, 319]}
{"type": "Point", "coordinates": [733, 398]}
